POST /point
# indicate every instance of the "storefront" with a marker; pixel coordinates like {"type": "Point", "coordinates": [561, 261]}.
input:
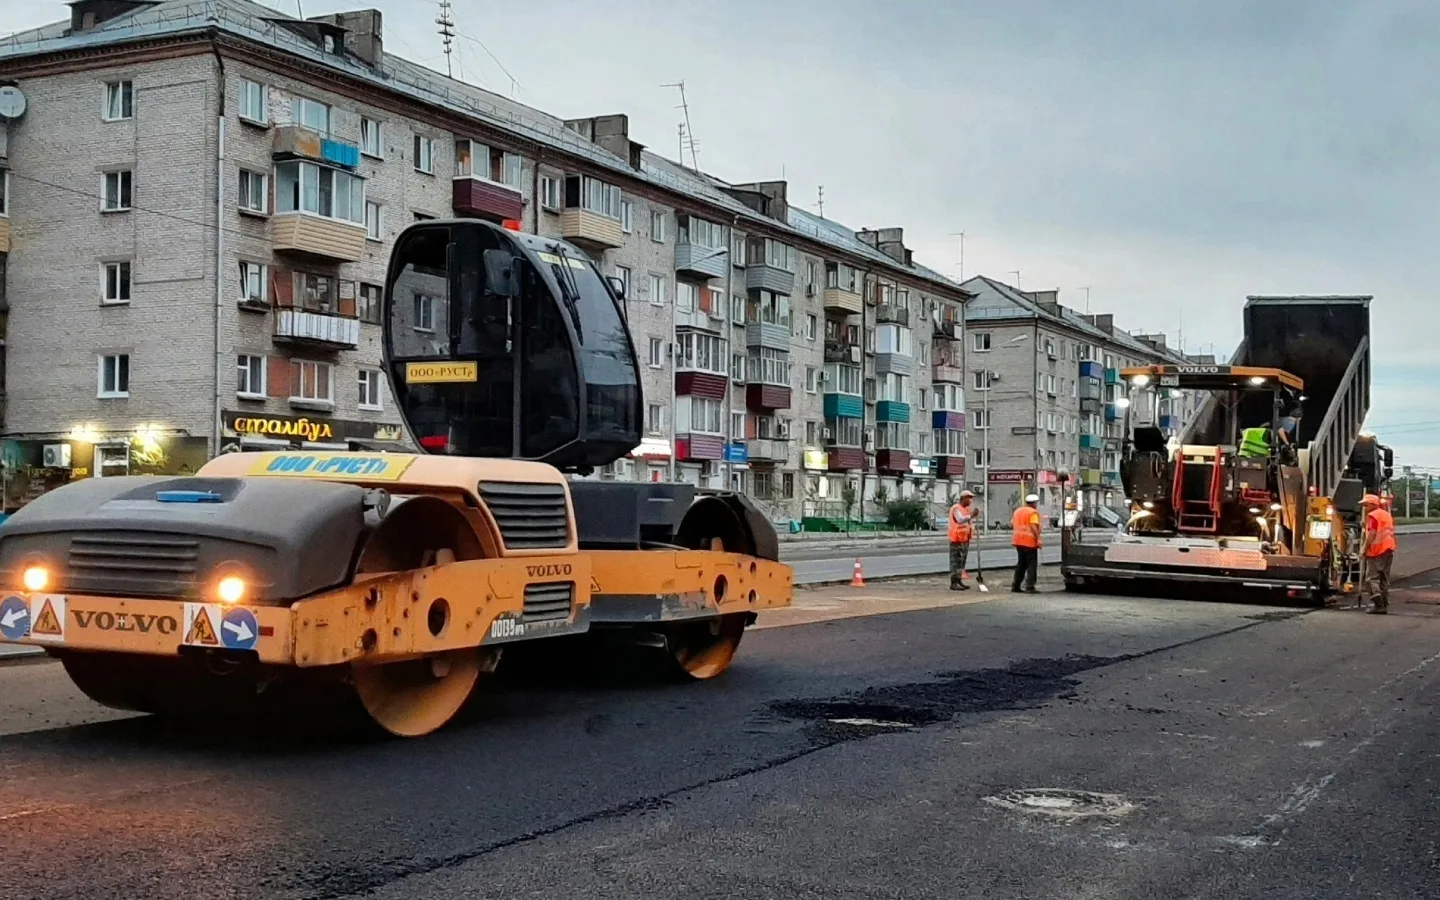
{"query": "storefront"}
{"type": "Point", "coordinates": [33, 466]}
{"type": "Point", "coordinates": [252, 431]}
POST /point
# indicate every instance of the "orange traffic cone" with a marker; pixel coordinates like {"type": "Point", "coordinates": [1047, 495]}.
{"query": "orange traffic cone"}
{"type": "Point", "coordinates": [858, 579]}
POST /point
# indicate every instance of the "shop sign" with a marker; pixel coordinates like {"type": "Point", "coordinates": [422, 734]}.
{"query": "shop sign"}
{"type": "Point", "coordinates": [303, 429]}
{"type": "Point", "coordinates": [276, 427]}
{"type": "Point", "coordinates": [1011, 476]}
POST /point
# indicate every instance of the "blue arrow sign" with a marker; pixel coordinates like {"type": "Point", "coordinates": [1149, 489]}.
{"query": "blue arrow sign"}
{"type": "Point", "coordinates": [238, 629]}
{"type": "Point", "coordinates": [14, 618]}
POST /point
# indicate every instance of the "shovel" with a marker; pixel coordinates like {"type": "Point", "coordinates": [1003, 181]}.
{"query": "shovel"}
{"type": "Point", "coordinates": [980, 571]}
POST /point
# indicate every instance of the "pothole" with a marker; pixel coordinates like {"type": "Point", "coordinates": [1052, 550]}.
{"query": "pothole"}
{"type": "Point", "coordinates": [1063, 803]}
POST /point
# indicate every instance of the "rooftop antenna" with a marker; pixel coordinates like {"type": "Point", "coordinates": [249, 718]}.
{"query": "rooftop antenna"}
{"type": "Point", "coordinates": [821, 203]}
{"type": "Point", "coordinates": [299, 10]}
{"type": "Point", "coordinates": [687, 131]}
{"type": "Point", "coordinates": [1016, 273]}
{"type": "Point", "coordinates": [961, 236]}
{"type": "Point", "coordinates": [1086, 289]}
{"type": "Point", "coordinates": [446, 21]}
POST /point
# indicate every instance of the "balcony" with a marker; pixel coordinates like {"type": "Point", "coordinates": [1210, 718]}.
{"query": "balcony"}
{"type": "Point", "coordinates": [893, 462]}
{"type": "Point", "coordinates": [947, 373]}
{"type": "Point", "coordinates": [949, 467]}
{"type": "Point", "coordinates": [699, 447]}
{"type": "Point", "coordinates": [330, 330]}
{"type": "Point", "coordinates": [952, 330]}
{"type": "Point", "coordinates": [894, 364]}
{"type": "Point", "coordinates": [892, 411]}
{"type": "Point", "coordinates": [767, 335]}
{"type": "Point", "coordinates": [334, 240]}
{"type": "Point", "coordinates": [838, 352]}
{"type": "Point", "coordinates": [693, 383]}
{"type": "Point", "coordinates": [4, 235]}
{"type": "Point", "coordinates": [887, 313]}
{"type": "Point", "coordinates": [702, 319]}
{"type": "Point", "coordinates": [1091, 442]}
{"type": "Point", "coordinates": [947, 420]}
{"type": "Point", "coordinates": [844, 406]}
{"type": "Point", "coordinates": [768, 450]}
{"type": "Point", "coordinates": [1091, 369]}
{"type": "Point", "coordinates": [481, 198]}
{"type": "Point", "coordinates": [1089, 405]}
{"type": "Point", "coordinates": [1112, 376]}
{"type": "Point", "coordinates": [761, 397]}
{"type": "Point", "coordinates": [697, 259]}
{"type": "Point", "coordinates": [1090, 476]}
{"type": "Point", "coordinates": [299, 142]}
{"type": "Point", "coordinates": [763, 277]}
{"type": "Point", "coordinates": [1113, 413]}
{"type": "Point", "coordinates": [1169, 423]}
{"type": "Point", "coordinates": [845, 459]}
{"type": "Point", "coordinates": [839, 300]}
{"type": "Point", "coordinates": [590, 230]}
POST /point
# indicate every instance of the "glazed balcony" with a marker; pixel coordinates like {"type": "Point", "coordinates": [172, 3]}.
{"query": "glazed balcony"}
{"type": "Point", "coordinates": [318, 237]}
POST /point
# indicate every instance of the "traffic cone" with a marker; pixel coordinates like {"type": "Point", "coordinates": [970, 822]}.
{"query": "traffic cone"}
{"type": "Point", "coordinates": [858, 579]}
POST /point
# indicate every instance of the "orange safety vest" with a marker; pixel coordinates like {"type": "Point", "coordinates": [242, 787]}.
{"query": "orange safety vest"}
{"type": "Point", "coordinates": [960, 523]}
{"type": "Point", "coordinates": [1381, 526]}
{"type": "Point", "coordinates": [1022, 526]}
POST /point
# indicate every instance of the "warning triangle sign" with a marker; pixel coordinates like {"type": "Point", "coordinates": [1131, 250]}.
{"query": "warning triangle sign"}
{"type": "Point", "coordinates": [47, 622]}
{"type": "Point", "coordinates": [202, 630]}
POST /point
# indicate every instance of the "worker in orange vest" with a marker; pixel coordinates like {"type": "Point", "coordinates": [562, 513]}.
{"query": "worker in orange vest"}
{"type": "Point", "coordinates": [1379, 550]}
{"type": "Point", "coordinates": [962, 529]}
{"type": "Point", "coordinates": [1025, 536]}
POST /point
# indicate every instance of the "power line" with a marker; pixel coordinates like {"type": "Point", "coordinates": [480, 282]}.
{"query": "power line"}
{"type": "Point", "coordinates": [514, 83]}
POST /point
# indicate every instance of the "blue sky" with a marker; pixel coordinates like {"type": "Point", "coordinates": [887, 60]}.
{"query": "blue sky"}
{"type": "Point", "coordinates": [1173, 156]}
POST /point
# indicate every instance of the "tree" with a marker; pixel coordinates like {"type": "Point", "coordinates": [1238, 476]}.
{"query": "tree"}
{"type": "Point", "coordinates": [847, 499]}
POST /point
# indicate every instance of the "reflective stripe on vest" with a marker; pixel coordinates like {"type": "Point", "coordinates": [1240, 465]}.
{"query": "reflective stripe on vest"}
{"type": "Point", "coordinates": [1253, 442]}
{"type": "Point", "coordinates": [1382, 531]}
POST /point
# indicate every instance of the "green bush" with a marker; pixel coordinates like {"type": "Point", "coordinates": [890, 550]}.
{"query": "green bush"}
{"type": "Point", "coordinates": [908, 514]}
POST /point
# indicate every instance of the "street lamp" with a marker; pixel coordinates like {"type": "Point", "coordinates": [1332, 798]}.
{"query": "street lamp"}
{"type": "Point", "coordinates": [990, 379]}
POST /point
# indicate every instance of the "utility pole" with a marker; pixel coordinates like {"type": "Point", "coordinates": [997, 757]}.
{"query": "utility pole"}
{"type": "Point", "coordinates": [446, 21]}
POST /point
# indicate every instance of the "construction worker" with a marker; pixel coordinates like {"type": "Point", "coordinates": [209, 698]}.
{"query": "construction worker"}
{"type": "Point", "coordinates": [1379, 551]}
{"type": "Point", "coordinates": [962, 528]}
{"type": "Point", "coordinates": [1025, 537]}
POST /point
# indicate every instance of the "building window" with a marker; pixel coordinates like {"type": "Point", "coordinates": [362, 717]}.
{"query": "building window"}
{"type": "Point", "coordinates": [118, 188]}
{"type": "Point", "coordinates": [370, 137]}
{"type": "Point", "coordinates": [369, 385]}
{"type": "Point", "coordinates": [367, 304]}
{"type": "Point", "coordinates": [687, 296]}
{"type": "Point", "coordinates": [476, 160]}
{"type": "Point", "coordinates": [657, 290]}
{"type": "Point", "coordinates": [254, 192]}
{"type": "Point", "coordinates": [981, 379]}
{"type": "Point", "coordinates": [119, 101]}
{"type": "Point", "coordinates": [894, 339]}
{"type": "Point", "coordinates": [584, 192]}
{"type": "Point", "coordinates": [254, 286]}
{"type": "Point", "coordinates": [770, 308]}
{"type": "Point", "coordinates": [321, 191]}
{"type": "Point", "coordinates": [655, 419]}
{"type": "Point", "coordinates": [657, 226]}
{"type": "Point", "coordinates": [116, 283]}
{"type": "Point", "coordinates": [737, 309]}
{"type": "Point", "coordinates": [763, 251]}
{"type": "Point", "coordinates": [737, 368]}
{"type": "Point", "coordinates": [114, 376]}
{"type": "Point", "coordinates": [311, 113]}
{"type": "Point", "coordinates": [623, 273]}
{"type": "Point", "coordinates": [699, 414]}
{"type": "Point", "coordinates": [311, 381]}
{"type": "Point", "coordinates": [374, 220]}
{"type": "Point", "coordinates": [250, 372]}
{"type": "Point", "coordinates": [978, 457]}
{"type": "Point", "coordinates": [978, 419]}
{"type": "Point", "coordinates": [550, 192]}
{"type": "Point", "coordinates": [703, 352]}
{"type": "Point", "coordinates": [423, 307]}
{"type": "Point", "coordinates": [812, 325]}
{"type": "Point", "coordinates": [842, 379]}
{"type": "Point", "coordinates": [737, 426]}
{"type": "Point", "coordinates": [627, 216]}
{"type": "Point", "coordinates": [254, 104]}
{"type": "Point", "coordinates": [424, 154]}
{"type": "Point", "coordinates": [769, 366]}
{"type": "Point", "coordinates": [4, 191]}
{"type": "Point", "coordinates": [811, 376]}
{"type": "Point", "coordinates": [657, 353]}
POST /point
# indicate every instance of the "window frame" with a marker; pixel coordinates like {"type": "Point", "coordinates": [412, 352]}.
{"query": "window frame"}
{"type": "Point", "coordinates": [262, 271]}
{"type": "Point", "coordinates": [243, 363]}
{"type": "Point", "coordinates": [423, 303]}
{"type": "Point", "coordinates": [298, 102]}
{"type": "Point", "coordinates": [124, 89]}
{"type": "Point", "coordinates": [423, 146]}
{"type": "Point", "coordinates": [372, 128]}
{"type": "Point", "coordinates": [245, 196]}
{"type": "Point", "coordinates": [551, 185]}
{"type": "Point", "coordinates": [121, 177]}
{"type": "Point", "coordinates": [301, 168]}
{"type": "Point", "coordinates": [378, 234]}
{"type": "Point", "coordinates": [264, 98]}
{"type": "Point", "coordinates": [368, 380]}
{"type": "Point", "coordinates": [363, 303]}
{"type": "Point", "coordinates": [121, 392]}
{"type": "Point", "coordinates": [297, 368]}
{"type": "Point", "coordinates": [124, 277]}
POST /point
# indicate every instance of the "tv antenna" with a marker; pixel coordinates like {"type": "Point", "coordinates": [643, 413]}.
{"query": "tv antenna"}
{"type": "Point", "coordinates": [821, 202]}
{"type": "Point", "coordinates": [687, 132]}
{"type": "Point", "coordinates": [446, 21]}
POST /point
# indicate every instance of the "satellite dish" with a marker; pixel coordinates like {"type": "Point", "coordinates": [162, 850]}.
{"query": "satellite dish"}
{"type": "Point", "coordinates": [12, 102]}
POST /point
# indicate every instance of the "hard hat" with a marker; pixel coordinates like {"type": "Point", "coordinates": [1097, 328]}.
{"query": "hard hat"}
{"type": "Point", "coordinates": [1370, 500]}
{"type": "Point", "coordinates": [1032, 498]}
{"type": "Point", "coordinates": [965, 494]}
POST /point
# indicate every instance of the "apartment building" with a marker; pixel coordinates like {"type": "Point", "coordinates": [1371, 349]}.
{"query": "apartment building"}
{"type": "Point", "coordinates": [1044, 381]}
{"type": "Point", "coordinates": [198, 202]}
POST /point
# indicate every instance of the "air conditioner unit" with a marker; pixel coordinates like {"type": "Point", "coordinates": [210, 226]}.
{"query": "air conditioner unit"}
{"type": "Point", "coordinates": [56, 456]}
{"type": "Point", "coordinates": [827, 434]}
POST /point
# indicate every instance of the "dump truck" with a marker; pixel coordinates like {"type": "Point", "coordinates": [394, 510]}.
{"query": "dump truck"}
{"type": "Point", "coordinates": [396, 579]}
{"type": "Point", "coordinates": [1226, 505]}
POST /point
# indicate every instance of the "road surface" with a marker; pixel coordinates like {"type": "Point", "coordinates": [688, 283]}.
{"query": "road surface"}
{"type": "Point", "coordinates": [896, 741]}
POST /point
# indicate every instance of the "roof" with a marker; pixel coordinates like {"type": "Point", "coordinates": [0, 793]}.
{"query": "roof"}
{"type": "Point", "coordinates": [1015, 303]}
{"type": "Point", "coordinates": [267, 26]}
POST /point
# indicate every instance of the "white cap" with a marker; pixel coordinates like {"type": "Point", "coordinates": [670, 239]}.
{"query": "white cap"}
{"type": "Point", "coordinates": [1032, 498]}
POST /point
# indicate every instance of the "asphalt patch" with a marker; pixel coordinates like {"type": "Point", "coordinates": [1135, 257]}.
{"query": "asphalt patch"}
{"type": "Point", "coordinates": [1278, 615]}
{"type": "Point", "coordinates": [1027, 684]}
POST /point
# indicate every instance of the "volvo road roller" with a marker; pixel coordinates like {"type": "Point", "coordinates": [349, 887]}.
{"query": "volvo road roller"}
{"type": "Point", "coordinates": [397, 578]}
